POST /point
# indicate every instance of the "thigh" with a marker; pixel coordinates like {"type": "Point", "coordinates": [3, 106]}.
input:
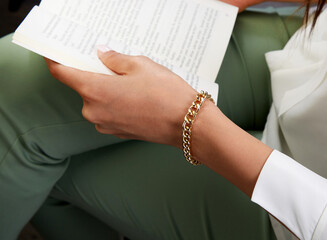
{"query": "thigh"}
{"type": "Point", "coordinates": [60, 220]}
{"type": "Point", "coordinates": [41, 126]}
{"type": "Point", "coordinates": [244, 78]}
{"type": "Point", "coordinates": [149, 191]}
{"type": "Point", "coordinates": [37, 108]}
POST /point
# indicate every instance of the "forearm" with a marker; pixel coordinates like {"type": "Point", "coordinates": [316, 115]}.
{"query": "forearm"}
{"type": "Point", "coordinates": [228, 150]}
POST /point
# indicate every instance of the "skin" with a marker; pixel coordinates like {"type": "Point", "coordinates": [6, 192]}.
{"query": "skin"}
{"type": "Point", "coordinates": [140, 103]}
{"type": "Point", "coordinates": [146, 101]}
{"type": "Point", "coordinates": [243, 4]}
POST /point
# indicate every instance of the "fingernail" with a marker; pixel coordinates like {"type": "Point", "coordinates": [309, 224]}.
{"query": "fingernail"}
{"type": "Point", "coordinates": [103, 48]}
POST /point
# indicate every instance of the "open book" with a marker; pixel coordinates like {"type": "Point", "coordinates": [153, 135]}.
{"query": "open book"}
{"type": "Point", "coordinates": [189, 37]}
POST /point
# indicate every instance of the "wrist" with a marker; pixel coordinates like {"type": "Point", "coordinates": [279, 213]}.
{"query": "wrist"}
{"type": "Point", "coordinates": [208, 117]}
{"type": "Point", "coordinates": [228, 150]}
{"type": "Point", "coordinates": [189, 119]}
{"type": "Point", "coordinates": [182, 105]}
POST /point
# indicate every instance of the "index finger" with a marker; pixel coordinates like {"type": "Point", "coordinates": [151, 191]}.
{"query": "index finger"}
{"type": "Point", "coordinates": [77, 79]}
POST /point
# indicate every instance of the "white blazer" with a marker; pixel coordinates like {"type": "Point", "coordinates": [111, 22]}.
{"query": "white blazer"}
{"type": "Point", "coordinates": [297, 126]}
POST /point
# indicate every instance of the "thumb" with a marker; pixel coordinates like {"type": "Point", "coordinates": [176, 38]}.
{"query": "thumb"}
{"type": "Point", "coordinates": [119, 63]}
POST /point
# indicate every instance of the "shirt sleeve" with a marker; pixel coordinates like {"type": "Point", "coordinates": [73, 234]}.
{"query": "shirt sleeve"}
{"type": "Point", "coordinates": [294, 195]}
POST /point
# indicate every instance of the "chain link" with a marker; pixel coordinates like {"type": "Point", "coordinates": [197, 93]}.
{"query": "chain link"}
{"type": "Point", "coordinates": [188, 124]}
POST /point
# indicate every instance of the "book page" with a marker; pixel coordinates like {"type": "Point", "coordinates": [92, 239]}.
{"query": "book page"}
{"type": "Point", "coordinates": [61, 40]}
{"type": "Point", "coordinates": [175, 33]}
{"type": "Point", "coordinates": [76, 49]}
{"type": "Point", "coordinates": [189, 34]}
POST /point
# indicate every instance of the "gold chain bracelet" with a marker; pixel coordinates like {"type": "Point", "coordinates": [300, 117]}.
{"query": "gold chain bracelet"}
{"type": "Point", "coordinates": [188, 124]}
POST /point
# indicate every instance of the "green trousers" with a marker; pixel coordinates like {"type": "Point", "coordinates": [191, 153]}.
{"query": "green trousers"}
{"type": "Point", "coordinates": [101, 185]}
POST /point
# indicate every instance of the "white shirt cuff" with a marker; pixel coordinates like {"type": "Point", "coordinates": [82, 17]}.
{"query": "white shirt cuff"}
{"type": "Point", "coordinates": [293, 194]}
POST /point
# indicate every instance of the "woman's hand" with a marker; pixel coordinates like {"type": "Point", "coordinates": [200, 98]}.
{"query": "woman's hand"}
{"type": "Point", "coordinates": [145, 101]}
{"type": "Point", "coordinates": [148, 102]}
{"type": "Point", "coordinates": [243, 4]}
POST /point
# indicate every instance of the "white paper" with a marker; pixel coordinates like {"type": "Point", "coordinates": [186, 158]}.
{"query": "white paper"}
{"type": "Point", "coordinates": [186, 36]}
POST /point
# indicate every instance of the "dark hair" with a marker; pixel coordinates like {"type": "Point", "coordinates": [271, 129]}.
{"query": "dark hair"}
{"type": "Point", "coordinates": [320, 6]}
